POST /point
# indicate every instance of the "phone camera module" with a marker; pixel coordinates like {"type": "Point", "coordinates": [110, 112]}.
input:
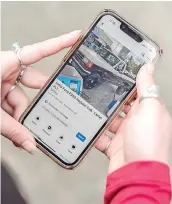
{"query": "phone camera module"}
{"type": "Point", "coordinates": [123, 27]}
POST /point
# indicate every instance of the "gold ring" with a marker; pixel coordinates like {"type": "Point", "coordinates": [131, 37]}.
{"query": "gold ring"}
{"type": "Point", "coordinates": [12, 88]}
{"type": "Point", "coordinates": [107, 146]}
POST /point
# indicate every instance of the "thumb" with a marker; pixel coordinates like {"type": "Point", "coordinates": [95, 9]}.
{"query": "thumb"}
{"type": "Point", "coordinates": [145, 79]}
{"type": "Point", "coordinates": [17, 133]}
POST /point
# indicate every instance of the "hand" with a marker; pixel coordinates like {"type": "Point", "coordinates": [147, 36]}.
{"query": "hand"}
{"type": "Point", "coordinates": [146, 131]}
{"type": "Point", "coordinates": [15, 102]}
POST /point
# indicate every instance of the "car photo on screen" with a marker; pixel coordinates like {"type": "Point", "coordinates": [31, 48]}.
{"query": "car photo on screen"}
{"type": "Point", "coordinates": [102, 71]}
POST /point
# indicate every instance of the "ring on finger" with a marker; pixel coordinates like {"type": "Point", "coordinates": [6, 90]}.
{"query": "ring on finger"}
{"type": "Point", "coordinates": [13, 87]}
{"type": "Point", "coordinates": [151, 92]}
{"type": "Point", "coordinates": [17, 49]}
{"type": "Point", "coordinates": [107, 146]}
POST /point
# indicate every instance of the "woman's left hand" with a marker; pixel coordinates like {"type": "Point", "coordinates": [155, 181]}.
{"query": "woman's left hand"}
{"type": "Point", "coordinates": [14, 102]}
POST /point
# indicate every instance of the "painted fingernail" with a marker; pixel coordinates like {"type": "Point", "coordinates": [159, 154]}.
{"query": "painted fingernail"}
{"type": "Point", "coordinates": [29, 147]}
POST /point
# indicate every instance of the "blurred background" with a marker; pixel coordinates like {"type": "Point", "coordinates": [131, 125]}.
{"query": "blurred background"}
{"type": "Point", "coordinates": [40, 179]}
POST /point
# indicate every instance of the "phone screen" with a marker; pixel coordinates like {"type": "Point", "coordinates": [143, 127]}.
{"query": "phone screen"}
{"type": "Point", "coordinates": [83, 96]}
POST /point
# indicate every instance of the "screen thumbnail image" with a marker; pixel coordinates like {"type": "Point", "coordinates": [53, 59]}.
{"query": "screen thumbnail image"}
{"type": "Point", "coordinates": [102, 71]}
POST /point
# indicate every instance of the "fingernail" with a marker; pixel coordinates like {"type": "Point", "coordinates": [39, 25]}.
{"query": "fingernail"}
{"type": "Point", "coordinates": [75, 32]}
{"type": "Point", "coordinates": [150, 68]}
{"type": "Point", "coordinates": [29, 147]}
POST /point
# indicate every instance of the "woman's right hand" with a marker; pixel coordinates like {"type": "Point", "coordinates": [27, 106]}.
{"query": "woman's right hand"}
{"type": "Point", "coordinates": [146, 131]}
{"type": "Point", "coordinates": [15, 102]}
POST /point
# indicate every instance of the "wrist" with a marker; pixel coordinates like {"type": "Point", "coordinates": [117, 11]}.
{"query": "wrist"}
{"type": "Point", "coordinates": [159, 156]}
{"type": "Point", "coordinates": [116, 162]}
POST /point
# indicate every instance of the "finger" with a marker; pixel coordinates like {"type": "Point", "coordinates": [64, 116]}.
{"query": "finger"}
{"type": "Point", "coordinates": [125, 111]}
{"type": "Point", "coordinates": [17, 133]}
{"type": "Point", "coordinates": [145, 79]}
{"type": "Point", "coordinates": [126, 108]}
{"type": "Point", "coordinates": [33, 53]}
{"type": "Point", "coordinates": [114, 147]}
{"type": "Point", "coordinates": [116, 124]}
{"type": "Point", "coordinates": [18, 100]}
{"type": "Point", "coordinates": [134, 107]}
{"type": "Point", "coordinates": [118, 121]}
{"type": "Point", "coordinates": [9, 64]}
{"type": "Point", "coordinates": [33, 78]}
{"type": "Point", "coordinates": [6, 107]}
{"type": "Point", "coordinates": [102, 142]}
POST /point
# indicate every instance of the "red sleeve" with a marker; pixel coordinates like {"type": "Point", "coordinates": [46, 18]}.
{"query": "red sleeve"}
{"type": "Point", "coordinates": [142, 182]}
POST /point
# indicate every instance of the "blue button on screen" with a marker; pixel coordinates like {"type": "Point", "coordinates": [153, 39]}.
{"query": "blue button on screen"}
{"type": "Point", "coordinates": [80, 137]}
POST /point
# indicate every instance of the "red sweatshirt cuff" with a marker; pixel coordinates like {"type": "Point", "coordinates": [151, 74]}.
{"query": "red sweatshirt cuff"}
{"type": "Point", "coordinates": [148, 176]}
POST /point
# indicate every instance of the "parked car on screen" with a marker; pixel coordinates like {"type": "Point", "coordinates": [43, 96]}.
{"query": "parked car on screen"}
{"type": "Point", "coordinates": [96, 68]}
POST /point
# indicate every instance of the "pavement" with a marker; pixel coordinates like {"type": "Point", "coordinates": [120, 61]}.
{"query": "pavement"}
{"type": "Point", "coordinates": [39, 178]}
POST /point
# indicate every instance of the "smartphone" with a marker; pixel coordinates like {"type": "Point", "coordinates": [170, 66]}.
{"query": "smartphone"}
{"type": "Point", "coordinates": [87, 91]}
